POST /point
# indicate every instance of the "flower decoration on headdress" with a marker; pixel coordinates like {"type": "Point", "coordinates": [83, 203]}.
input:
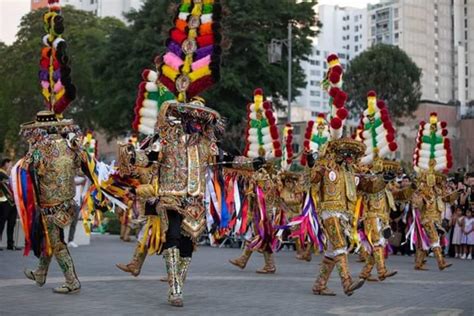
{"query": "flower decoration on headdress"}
{"type": "Point", "coordinates": [287, 158]}
{"type": "Point", "coordinates": [376, 130]}
{"type": "Point", "coordinates": [192, 61]}
{"type": "Point", "coordinates": [55, 73]}
{"type": "Point", "coordinates": [262, 135]}
{"type": "Point", "coordinates": [89, 144]}
{"type": "Point", "coordinates": [433, 147]}
{"type": "Point", "coordinates": [316, 135]}
{"type": "Point", "coordinates": [332, 83]}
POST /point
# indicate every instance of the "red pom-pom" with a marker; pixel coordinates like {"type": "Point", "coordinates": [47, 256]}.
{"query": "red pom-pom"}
{"type": "Point", "coordinates": [422, 123]}
{"type": "Point", "coordinates": [267, 105]}
{"type": "Point", "coordinates": [334, 77]}
{"type": "Point", "coordinates": [371, 93]}
{"type": "Point", "coordinates": [246, 150]}
{"type": "Point", "coordinates": [310, 125]}
{"type": "Point", "coordinates": [274, 132]}
{"type": "Point", "coordinates": [381, 104]}
{"type": "Point", "coordinates": [392, 146]}
{"type": "Point", "coordinates": [306, 143]}
{"type": "Point", "coordinates": [390, 138]}
{"type": "Point", "coordinates": [444, 132]}
{"type": "Point", "coordinates": [450, 164]}
{"type": "Point", "coordinates": [308, 134]}
{"type": "Point", "coordinates": [320, 115]}
{"type": "Point", "coordinates": [337, 69]}
{"type": "Point", "coordinates": [336, 123]}
{"type": "Point", "coordinates": [433, 114]}
{"type": "Point", "coordinates": [443, 124]}
{"type": "Point", "coordinates": [334, 91]}
{"type": "Point", "coordinates": [258, 91]}
{"type": "Point", "coordinates": [278, 153]}
{"type": "Point", "coordinates": [342, 113]}
{"type": "Point", "coordinates": [145, 74]}
{"type": "Point", "coordinates": [332, 57]}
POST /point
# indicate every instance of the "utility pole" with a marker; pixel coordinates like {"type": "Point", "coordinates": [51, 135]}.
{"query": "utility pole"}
{"type": "Point", "coordinates": [290, 57]}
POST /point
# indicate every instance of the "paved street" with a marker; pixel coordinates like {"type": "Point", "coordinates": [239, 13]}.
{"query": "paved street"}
{"type": "Point", "coordinates": [214, 287]}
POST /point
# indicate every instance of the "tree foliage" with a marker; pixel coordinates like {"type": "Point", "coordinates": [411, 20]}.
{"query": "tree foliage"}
{"type": "Point", "coordinates": [391, 73]}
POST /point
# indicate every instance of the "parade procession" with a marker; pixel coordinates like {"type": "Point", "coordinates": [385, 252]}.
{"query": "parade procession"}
{"type": "Point", "coordinates": [332, 186]}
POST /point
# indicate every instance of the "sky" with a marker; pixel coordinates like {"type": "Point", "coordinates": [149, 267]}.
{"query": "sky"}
{"type": "Point", "coordinates": [11, 12]}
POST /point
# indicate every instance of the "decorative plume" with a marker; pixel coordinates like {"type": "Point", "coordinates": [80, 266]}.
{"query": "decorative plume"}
{"type": "Point", "coordinates": [287, 157]}
{"type": "Point", "coordinates": [376, 130]}
{"type": "Point", "coordinates": [55, 73]}
{"type": "Point", "coordinates": [316, 135]}
{"type": "Point", "coordinates": [192, 61]}
{"type": "Point", "coordinates": [433, 147]}
{"type": "Point", "coordinates": [90, 144]}
{"type": "Point", "coordinates": [262, 135]}
{"type": "Point", "coordinates": [332, 83]}
{"type": "Point", "coordinates": [151, 95]}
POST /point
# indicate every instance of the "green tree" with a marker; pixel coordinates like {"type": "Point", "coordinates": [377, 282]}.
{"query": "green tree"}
{"type": "Point", "coordinates": [20, 91]}
{"type": "Point", "coordinates": [248, 27]}
{"type": "Point", "coordinates": [391, 73]}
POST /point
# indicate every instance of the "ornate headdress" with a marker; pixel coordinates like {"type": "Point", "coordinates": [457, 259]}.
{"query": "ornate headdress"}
{"type": "Point", "coordinates": [55, 73]}
{"type": "Point", "coordinates": [262, 137]}
{"type": "Point", "coordinates": [332, 83]}
{"type": "Point", "coordinates": [190, 65]}
{"type": "Point", "coordinates": [316, 135]}
{"type": "Point", "coordinates": [376, 130]}
{"type": "Point", "coordinates": [55, 79]}
{"type": "Point", "coordinates": [433, 148]}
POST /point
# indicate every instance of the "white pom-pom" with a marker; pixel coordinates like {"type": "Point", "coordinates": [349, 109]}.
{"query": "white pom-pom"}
{"type": "Point", "coordinates": [253, 115]}
{"type": "Point", "coordinates": [313, 146]}
{"type": "Point", "coordinates": [425, 146]}
{"type": "Point", "coordinates": [151, 113]}
{"type": "Point", "coordinates": [45, 41]}
{"type": "Point", "coordinates": [366, 134]}
{"type": "Point", "coordinates": [152, 76]}
{"type": "Point", "coordinates": [183, 16]}
{"type": "Point", "coordinates": [253, 131]}
{"type": "Point", "coordinates": [253, 139]}
{"type": "Point", "coordinates": [384, 151]}
{"type": "Point", "coordinates": [266, 131]}
{"type": "Point", "coordinates": [150, 104]}
{"type": "Point", "coordinates": [151, 87]}
{"type": "Point", "coordinates": [146, 129]}
{"type": "Point", "coordinates": [57, 41]}
{"type": "Point", "coordinates": [206, 18]}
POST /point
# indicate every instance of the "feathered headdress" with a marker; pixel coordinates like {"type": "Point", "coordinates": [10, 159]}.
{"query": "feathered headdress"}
{"type": "Point", "coordinates": [316, 135]}
{"type": "Point", "coordinates": [433, 147]}
{"type": "Point", "coordinates": [376, 130]}
{"type": "Point", "coordinates": [192, 61]}
{"type": "Point", "coordinates": [332, 83]}
{"type": "Point", "coordinates": [262, 135]}
{"type": "Point", "coordinates": [287, 157]}
{"type": "Point", "coordinates": [55, 73]}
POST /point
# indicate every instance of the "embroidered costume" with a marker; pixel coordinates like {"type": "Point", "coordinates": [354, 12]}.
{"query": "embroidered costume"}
{"type": "Point", "coordinates": [432, 158]}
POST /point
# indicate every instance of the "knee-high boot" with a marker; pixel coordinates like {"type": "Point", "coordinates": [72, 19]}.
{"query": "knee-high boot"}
{"type": "Point", "coordinates": [39, 275]}
{"type": "Point", "coordinates": [346, 280]}
{"type": "Point", "coordinates": [134, 267]}
{"type": "Point", "coordinates": [320, 285]}
{"type": "Point", "coordinates": [269, 266]}
{"type": "Point", "coordinates": [380, 264]}
{"type": "Point", "coordinates": [420, 255]}
{"type": "Point", "coordinates": [367, 269]}
{"type": "Point", "coordinates": [175, 293]}
{"type": "Point", "coordinates": [72, 284]}
{"type": "Point", "coordinates": [440, 259]}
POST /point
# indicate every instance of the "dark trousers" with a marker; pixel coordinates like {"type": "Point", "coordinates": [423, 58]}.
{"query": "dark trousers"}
{"type": "Point", "coordinates": [72, 228]}
{"type": "Point", "coordinates": [174, 238]}
{"type": "Point", "coordinates": [8, 215]}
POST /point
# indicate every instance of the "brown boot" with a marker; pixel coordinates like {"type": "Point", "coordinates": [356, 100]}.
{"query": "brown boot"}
{"type": "Point", "coordinates": [346, 280]}
{"type": "Point", "coordinates": [269, 266]}
{"type": "Point", "coordinates": [420, 260]}
{"type": "Point", "coordinates": [362, 255]}
{"type": "Point", "coordinates": [305, 255]}
{"type": "Point", "coordinates": [320, 285]}
{"type": "Point", "coordinates": [367, 269]}
{"type": "Point", "coordinates": [39, 275]}
{"type": "Point", "coordinates": [72, 284]}
{"type": "Point", "coordinates": [241, 261]}
{"type": "Point", "coordinates": [135, 266]}
{"type": "Point", "coordinates": [440, 259]}
{"type": "Point", "coordinates": [380, 264]}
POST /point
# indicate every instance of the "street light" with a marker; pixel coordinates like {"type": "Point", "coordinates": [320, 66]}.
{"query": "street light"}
{"type": "Point", "coordinates": [275, 56]}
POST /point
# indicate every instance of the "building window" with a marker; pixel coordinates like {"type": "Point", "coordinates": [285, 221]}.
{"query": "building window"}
{"type": "Point", "coordinates": [395, 25]}
{"type": "Point", "coordinates": [467, 83]}
{"type": "Point", "coordinates": [314, 114]}
{"type": "Point", "coordinates": [436, 6]}
{"type": "Point", "coordinates": [318, 52]}
{"type": "Point", "coordinates": [356, 49]}
{"type": "Point", "coordinates": [436, 18]}
{"type": "Point", "coordinates": [315, 93]}
{"type": "Point", "coordinates": [395, 12]}
{"type": "Point", "coordinates": [465, 23]}
{"type": "Point", "coordinates": [313, 82]}
{"type": "Point", "coordinates": [357, 28]}
{"type": "Point", "coordinates": [396, 36]}
{"type": "Point", "coordinates": [313, 73]}
{"type": "Point", "coordinates": [436, 30]}
{"type": "Point", "coordinates": [356, 38]}
{"type": "Point", "coordinates": [466, 71]}
{"type": "Point", "coordinates": [465, 35]}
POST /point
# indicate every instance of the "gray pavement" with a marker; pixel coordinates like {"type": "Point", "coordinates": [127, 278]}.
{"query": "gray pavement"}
{"type": "Point", "coordinates": [214, 287]}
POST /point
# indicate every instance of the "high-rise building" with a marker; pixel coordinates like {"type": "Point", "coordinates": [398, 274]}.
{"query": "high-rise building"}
{"type": "Point", "coordinates": [344, 32]}
{"type": "Point", "coordinates": [436, 34]}
{"type": "Point", "coordinates": [102, 8]}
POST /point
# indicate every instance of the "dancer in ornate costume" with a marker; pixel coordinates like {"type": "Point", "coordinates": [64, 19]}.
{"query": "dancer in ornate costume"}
{"type": "Point", "coordinates": [43, 181]}
{"type": "Point", "coordinates": [377, 133]}
{"type": "Point", "coordinates": [432, 158]}
{"type": "Point", "coordinates": [333, 185]}
{"type": "Point", "coordinates": [262, 208]}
